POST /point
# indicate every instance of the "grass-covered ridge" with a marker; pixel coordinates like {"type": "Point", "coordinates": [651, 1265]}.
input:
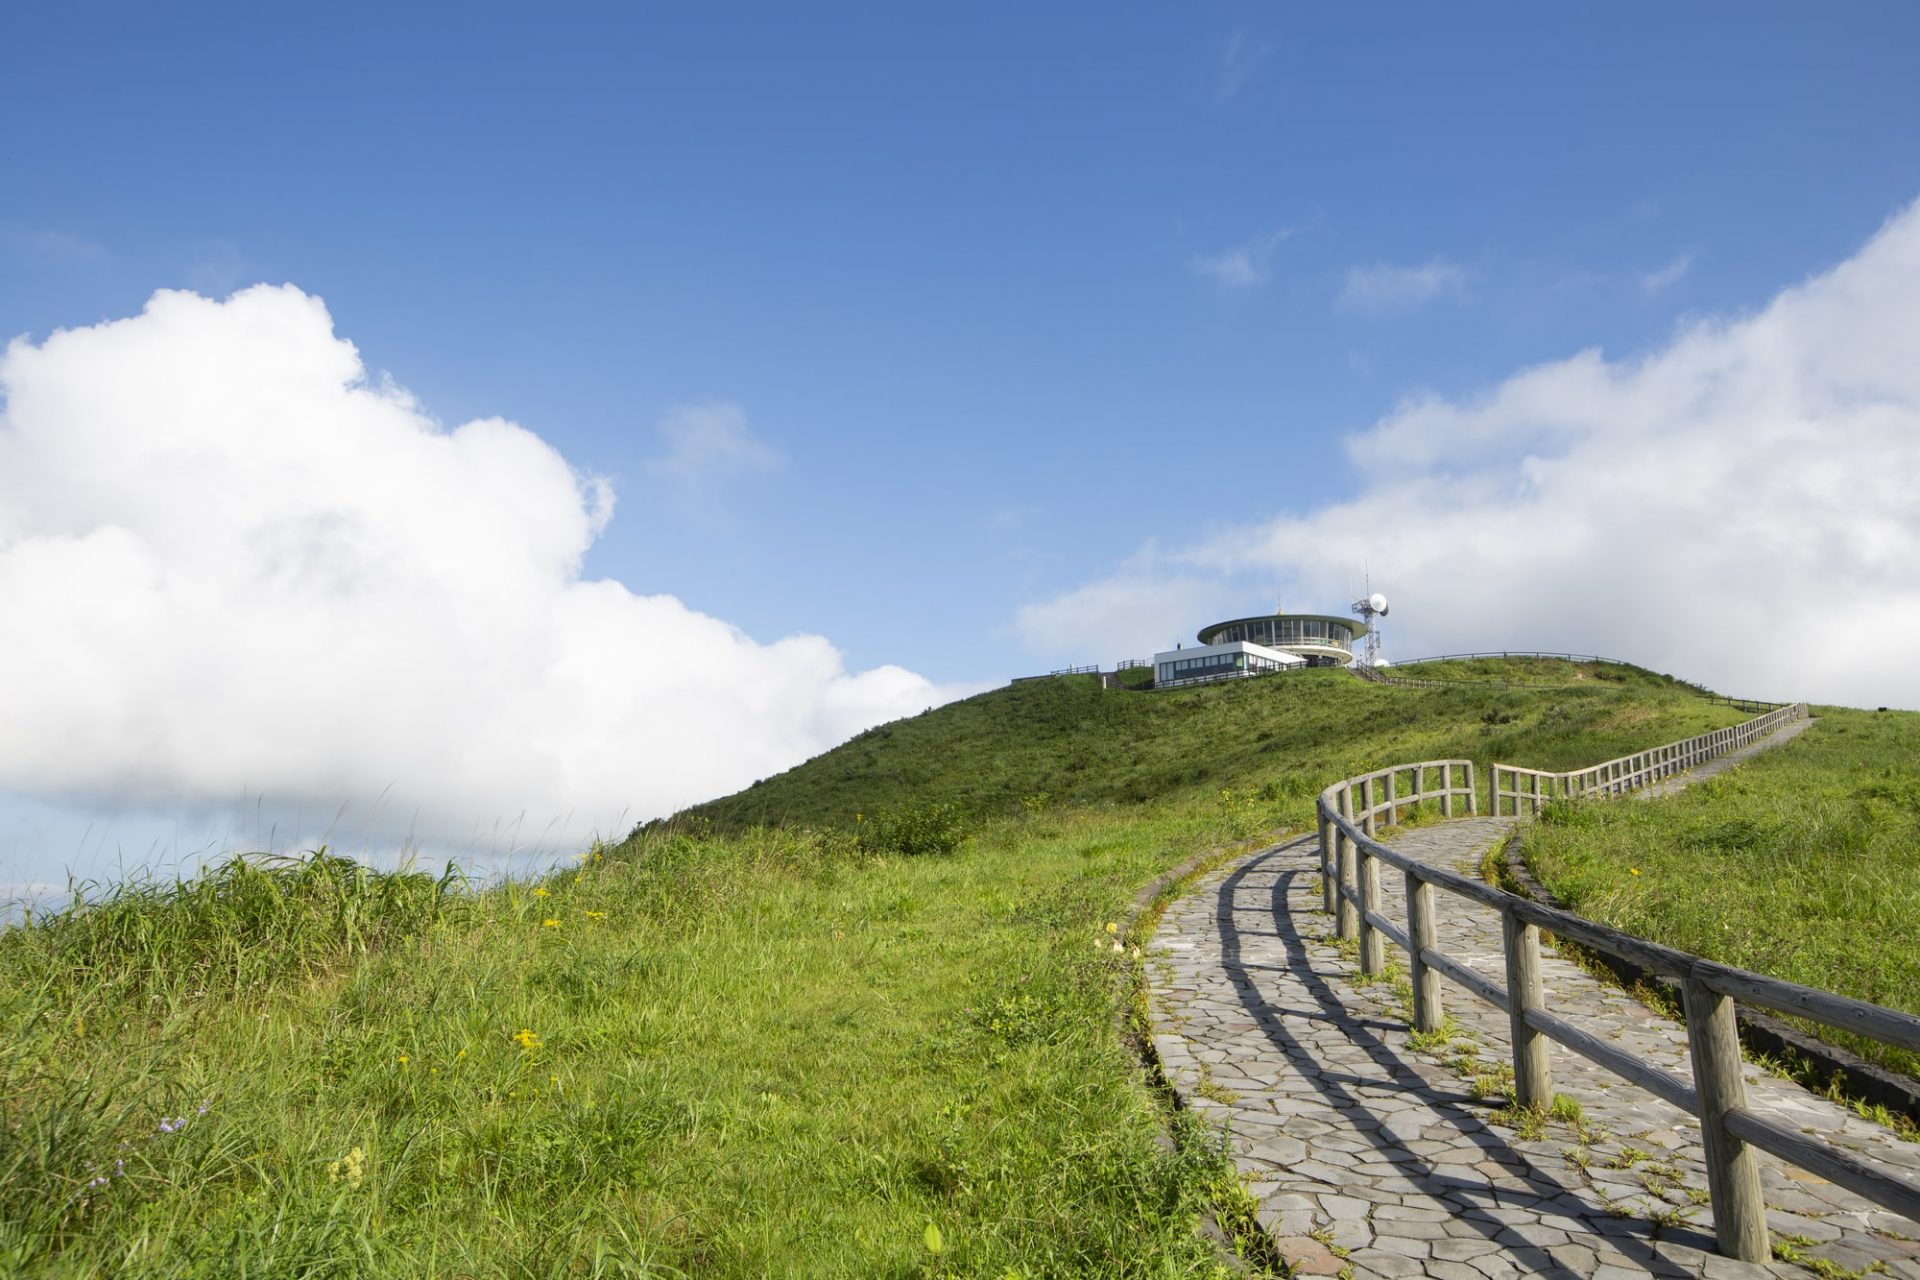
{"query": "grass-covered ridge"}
{"type": "Point", "coordinates": [1803, 863]}
{"type": "Point", "coordinates": [1281, 739]}
{"type": "Point", "coordinates": [770, 1051]}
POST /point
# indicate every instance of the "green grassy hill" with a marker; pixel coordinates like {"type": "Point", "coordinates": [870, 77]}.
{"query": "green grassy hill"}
{"type": "Point", "coordinates": [1281, 739]}
{"type": "Point", "coordinates": [715, 1049]}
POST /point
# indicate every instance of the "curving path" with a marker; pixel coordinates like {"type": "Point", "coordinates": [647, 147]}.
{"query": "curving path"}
{"type": "Point", "coordinates": [1373, 1158]}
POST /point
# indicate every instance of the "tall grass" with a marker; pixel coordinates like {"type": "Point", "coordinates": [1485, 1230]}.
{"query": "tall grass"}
{"type": "Point", "coordinates": [771, 1054]}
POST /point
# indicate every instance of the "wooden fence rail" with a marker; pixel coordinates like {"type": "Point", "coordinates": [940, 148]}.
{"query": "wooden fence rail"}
{"type": "Point", "coordinates": [1351, 857]}
{"type": "Point", "coordinates": [1513, 786]}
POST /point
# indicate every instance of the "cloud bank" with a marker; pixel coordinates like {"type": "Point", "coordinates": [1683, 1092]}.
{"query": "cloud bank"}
{"type": "Point", "coordinates": [1737, 506]}
{"type": "Point", "coordinates": [235, 568]}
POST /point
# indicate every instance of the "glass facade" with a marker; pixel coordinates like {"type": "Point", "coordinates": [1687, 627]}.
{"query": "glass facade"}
{"type": "Point", "coordinates": [1284, 632]}
{"type": "Point", "coordinates": [1212, 666]}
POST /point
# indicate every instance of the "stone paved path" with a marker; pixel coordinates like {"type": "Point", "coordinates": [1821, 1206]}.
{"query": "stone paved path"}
{"type": "Point", "coordinates": [1366, 1154]}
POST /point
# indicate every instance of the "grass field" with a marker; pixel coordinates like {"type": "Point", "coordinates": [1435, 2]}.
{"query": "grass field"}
{"type": "Point", "coordinates": [777, 1052]}
{"type": "Point", "coordinates": [1803, 863]}
{"type": "Point", "coordinates": [771, 1054]}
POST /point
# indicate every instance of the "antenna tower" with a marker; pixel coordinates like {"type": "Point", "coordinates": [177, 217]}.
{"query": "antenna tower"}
{"type": "Point", "coordinates": [1370, 607]}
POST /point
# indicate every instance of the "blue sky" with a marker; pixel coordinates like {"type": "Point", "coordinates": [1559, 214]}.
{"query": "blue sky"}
{"type": "Point", "coordinates": [958, 313]}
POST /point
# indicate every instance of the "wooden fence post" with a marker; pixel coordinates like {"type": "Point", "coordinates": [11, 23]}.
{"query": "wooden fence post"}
{"type": "Point", "coordinates": [1733, 1180]}
{"type": "Point", "coordinates": [1446, 790]}
{"type": "Point", "coordinates": [1343, 870]}
{"type": "Point", "coordinates": [1427, 1012]}
{"type": "Point", "coordinates": [1532, 1075]}
{"type": "Point", "coordinates": [1373, 952]}
{"type": "Point", "coordinates": [1473, 791]}
{"type": "Point", "coordinates": [1327, 867]}
{"type": "Point", "coordinates": [1393, 798]}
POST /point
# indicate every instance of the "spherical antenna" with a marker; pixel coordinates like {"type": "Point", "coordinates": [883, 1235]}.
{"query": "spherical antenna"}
{"type": "Point", "coordinates": [1379, 603]}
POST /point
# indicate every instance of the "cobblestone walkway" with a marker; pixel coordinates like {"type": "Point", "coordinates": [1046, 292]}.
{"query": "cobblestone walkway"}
{"type": "Point", "coordinates": [1375, 1158]}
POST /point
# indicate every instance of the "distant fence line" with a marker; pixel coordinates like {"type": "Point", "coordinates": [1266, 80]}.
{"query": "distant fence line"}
{"type": "Point", "coordinates": [1534, 787]}
{"type": "Point", "coordinates": [1350, 860]}
{"type": "Point", "coordinates": [1385, 675]}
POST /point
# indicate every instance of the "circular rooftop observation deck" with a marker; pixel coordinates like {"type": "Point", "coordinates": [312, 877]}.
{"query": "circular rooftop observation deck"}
{"type": "Point", "coordinates": [1320, 638]}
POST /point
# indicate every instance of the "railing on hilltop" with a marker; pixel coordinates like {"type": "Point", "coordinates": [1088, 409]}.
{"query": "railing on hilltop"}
{"type": "Point", "coordinates": [1534, 787]}
{"type": "Point", "coordinates": [1386, 675]}
{"type": "Point", "coordinates": [1350, 859]}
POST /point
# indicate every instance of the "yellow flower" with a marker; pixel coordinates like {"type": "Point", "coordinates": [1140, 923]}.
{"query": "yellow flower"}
{"type": "Point", "coordinates": [549, 923]}
{"type": "Point", "coordinates": [349, 1168]}
{"type": "Point", "coordinates": [596, 915]}
{"type": "Point", "coordinates": [1633, 870]}
{"type": "Point", "coordinates": [1112, 927]}
{"type": "Point", "coordinates": [553, 1079]}
{"type": "Point", "coordinates": [541, 892]}
{"type": "Point", "coordinates": [404, 1059]}
{"type": "Point", "coordinates": [526, 1039]}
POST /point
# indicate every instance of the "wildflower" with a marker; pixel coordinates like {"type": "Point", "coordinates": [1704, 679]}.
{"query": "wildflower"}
{"type": "Point", "coordinates": [404, 1059]}
{"type": "Point", "coordinates": [553, 1079]}
{"type": "Point", "coordinates": [549, 923]}
{"type": "Point", "coordinates": [596, 915]}
{"type": "Point", "coordinates": [1633, 870]}
{"type": "Point", "coordinates": [1112, 927]}
{"type": "Point", "coordinates": [1136, 951]}
{"type": "Point", "coordinates": [526, 1039]}
{"type": "Point", "coordinates": [1117, 946]}
{"type": "Point", "coordinates": [541, 892]}
{"type": "Point", "coordinates": [349, 1168]}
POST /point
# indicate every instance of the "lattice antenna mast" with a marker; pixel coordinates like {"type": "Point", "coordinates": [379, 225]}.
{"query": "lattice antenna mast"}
{"type": "Point", "coordinates": [1370, 608]}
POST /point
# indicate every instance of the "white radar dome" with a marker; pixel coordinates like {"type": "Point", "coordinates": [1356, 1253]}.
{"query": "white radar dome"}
{"type": "Point", "coordinates": [1379, 602]}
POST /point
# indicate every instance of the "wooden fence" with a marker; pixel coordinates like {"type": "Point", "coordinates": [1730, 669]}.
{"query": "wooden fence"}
{"type": "Point", "coordinates": [1350, 859]}
{"type": "Point", "coordinates": [1512, 786]}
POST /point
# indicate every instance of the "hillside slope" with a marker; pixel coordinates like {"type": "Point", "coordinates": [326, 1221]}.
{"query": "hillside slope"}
{"type": "Point", "coordinates": [1280, 738]}
{"type": "Point", "coordinates": [783, 1052]}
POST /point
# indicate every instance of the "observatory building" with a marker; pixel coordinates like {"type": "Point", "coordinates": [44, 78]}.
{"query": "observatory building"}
{"type": "Point", "coordinates": [1243, 647]}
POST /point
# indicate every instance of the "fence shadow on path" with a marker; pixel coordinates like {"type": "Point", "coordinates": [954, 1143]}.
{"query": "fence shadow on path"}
{"type": "Point", "coordinates": [1369, 1069]}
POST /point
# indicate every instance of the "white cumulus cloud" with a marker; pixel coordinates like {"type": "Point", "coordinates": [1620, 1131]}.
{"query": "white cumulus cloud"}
{"type": "Point", "coordinates": [1738, 505]}
{"type": "Point", "coordinates": [234, 568]}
